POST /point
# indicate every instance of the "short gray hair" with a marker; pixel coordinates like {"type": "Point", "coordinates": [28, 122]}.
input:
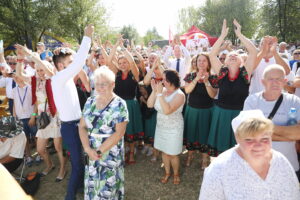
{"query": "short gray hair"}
{"type": "Point", "coordinates": [273, 67]}
{"type": "Point", "coordinates": [104, 72]}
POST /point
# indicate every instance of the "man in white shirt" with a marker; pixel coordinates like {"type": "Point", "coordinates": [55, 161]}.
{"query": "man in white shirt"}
{"type": "Point", "coordinates": [67, 104]}
{"type": "Point", "coordinates": [179, 63]}
{"type": "Point", "coordinates": [268, 55]}
{"type": "Point", "coordinates": [273, 81]}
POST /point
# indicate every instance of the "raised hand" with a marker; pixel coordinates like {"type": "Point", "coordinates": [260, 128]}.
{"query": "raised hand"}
{"type": "Point", "coordinates": [89, 30]}
{"type": "Point", "coordinates": [1, 46]}
{"type": "Point", "coordinates": [225, 29]}
{"type": "Point", "coordinates": [274, 43]}
{"type": "Point", "coordinates": [238, 27]}
{"type": "Point", "coordinates": [23, 50]}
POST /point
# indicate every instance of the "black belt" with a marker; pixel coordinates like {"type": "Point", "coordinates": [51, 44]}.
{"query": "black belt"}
{"type": "Point", "coordinates": [71, 122]}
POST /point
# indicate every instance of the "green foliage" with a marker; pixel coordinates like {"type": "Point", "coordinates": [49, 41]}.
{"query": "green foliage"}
{"type": "Point", "coordinates": [151, 34]}
{"type": "Point", "coordinates": [188, 17]}
{"type": "Point", "coordinates": [129, 32]}
{"type": "Point", "coordinates": [24, 21]}
{"type": "Point", "coordinates": [209, 17]}
{"type": "Point", "coordinates": [281, 18]}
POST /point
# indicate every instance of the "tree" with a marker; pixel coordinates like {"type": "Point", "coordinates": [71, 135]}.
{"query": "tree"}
{"type": "Point", "coordinates": [209, 17]}
{"type": "Point", "coordinates": [151, 34]}
{"type": "Point", "coordinates": [129, 32]}
{"type": "Point", "coordinates": [188, 17]}
{"type": "Point", "coordinates": [25, 21]}
{"type": "Point", "coordinates": [281, 18]}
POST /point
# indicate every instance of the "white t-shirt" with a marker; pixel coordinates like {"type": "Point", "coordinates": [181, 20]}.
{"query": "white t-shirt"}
{"type": "Point", "coordinates": [63, 87]}
{"type": "Point", "coordinates": [25, 109]}
{"type": "Point", "coordinates": [257, 101]}
{"type": "Point", "coordinates": [230, 177]}
{"type": "Point", "coordinates": [297, 91]}
{"type": "Point", "coordinates": [14, 147]}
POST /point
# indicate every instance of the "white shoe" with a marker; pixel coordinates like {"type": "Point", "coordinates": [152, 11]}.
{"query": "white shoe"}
{"type": "Point", "coordinates": [29, 161]}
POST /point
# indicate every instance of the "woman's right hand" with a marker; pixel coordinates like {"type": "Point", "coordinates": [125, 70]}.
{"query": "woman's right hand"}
{"type": "Point", "coordinates": [92, 154]}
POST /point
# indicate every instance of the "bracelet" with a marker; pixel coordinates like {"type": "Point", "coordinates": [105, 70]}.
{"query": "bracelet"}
{"type": "Point", "coordinates": [159, 94]}
{"type": "Point", "coordinates": [194, 81]}
{"type": "Point", "coordinates": [33, 114]}
{"type": "Point", "coordinates": [207, 84]}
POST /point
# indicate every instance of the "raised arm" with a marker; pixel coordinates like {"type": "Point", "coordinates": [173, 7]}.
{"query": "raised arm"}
{"type": "Point", "coordinates": [252, 51]}
{"type": "Point", "coordinates": [213, 55]}
{"type": "Point", "coordinates": [20, 66]}
{"type": "Point", "coordinates": [112, 55]}
{"type": "Point", "coordinates": [152, 98]}
{"type": "Point", "coordinates": [36, 59]}
{"type": "Point", "coordinates": [279, 60]}
{"type": "Point", "coordinates": [79, 60]}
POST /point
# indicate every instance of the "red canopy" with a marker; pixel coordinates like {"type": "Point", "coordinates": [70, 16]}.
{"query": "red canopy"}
{"type": "Point", "coordinates": [194, 30]}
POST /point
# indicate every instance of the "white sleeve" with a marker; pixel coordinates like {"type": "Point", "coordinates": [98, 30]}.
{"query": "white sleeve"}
{"type": "Point", "coordinates": [298, 73]}
{"type": "Point", "coordinates": [167, 55]}
{"type": "Point", "coordinates": [249, 103]}
{"type": "Point", "coordinates": [18, 146]}
{"type": "Point", "coordinates": [211, 187]}
{"type": "Point", "coordinates": [2, 82]}
{"type": "Point", "coordinates": [77, 64]}
{"type": "Point", "coordinates": [186, 54]}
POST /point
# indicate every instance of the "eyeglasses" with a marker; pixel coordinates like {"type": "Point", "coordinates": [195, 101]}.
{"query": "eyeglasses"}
{"type": "Point", "coordinates": [221, 58]}
{"type": "Point", "coordinates": [12, 63]}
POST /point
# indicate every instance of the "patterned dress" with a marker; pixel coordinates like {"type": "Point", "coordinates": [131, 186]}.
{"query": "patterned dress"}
{"type": "Point", "coordinates": [104, 178]}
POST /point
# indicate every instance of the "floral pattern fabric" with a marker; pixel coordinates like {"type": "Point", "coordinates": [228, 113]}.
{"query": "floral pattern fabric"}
{"type": "Point", "coordinates": [104, 178]}
{"type": "Point", "coordinates": [191, 76]}
{"type": "Point", "coordinates": [214, 79]}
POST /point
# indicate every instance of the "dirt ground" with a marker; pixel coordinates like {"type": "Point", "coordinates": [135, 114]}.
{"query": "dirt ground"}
{"type": "Point", "coordinates": [141, 181]}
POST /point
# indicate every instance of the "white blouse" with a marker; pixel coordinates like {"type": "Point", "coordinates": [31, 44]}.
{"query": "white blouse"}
{"type": "Point", "coordinates": [230, 177]}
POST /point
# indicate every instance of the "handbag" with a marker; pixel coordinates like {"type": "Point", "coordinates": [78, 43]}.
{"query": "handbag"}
{"type": "Point", "coordinates": [43, 119]}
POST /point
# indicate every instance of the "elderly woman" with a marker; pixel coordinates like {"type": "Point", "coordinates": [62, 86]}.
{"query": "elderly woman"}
{"type": "Point", "coordinates": [101, 129]}
{"type": "Point", "coordinates": [233, 83]}
{"type": "Point", "coordinates": [252, 169]}
{"type": "Point", "coordinates": [168, 100]}
{"type": "Point", "coordinates": [198, 112]}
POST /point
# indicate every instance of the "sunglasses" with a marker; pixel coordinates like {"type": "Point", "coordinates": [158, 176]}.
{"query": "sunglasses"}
{"type": "Point", "coordinates": [12, 63]}
{"type": "Point", "coordinates": [221, 58]}
{"type": "Point", "coordinates": [145, 57]}
{"type": "Point", "coordinates": [298, 53]}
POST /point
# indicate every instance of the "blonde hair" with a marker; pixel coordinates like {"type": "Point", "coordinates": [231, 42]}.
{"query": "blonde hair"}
{"type": "Point", "coordinates": [253, 127]}
{"type": "Point", "coordinates": [104, 72]}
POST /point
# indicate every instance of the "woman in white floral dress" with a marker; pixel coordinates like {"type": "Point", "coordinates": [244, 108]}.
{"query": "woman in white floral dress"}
{"type": "Point", "coordinates": [168, 101]}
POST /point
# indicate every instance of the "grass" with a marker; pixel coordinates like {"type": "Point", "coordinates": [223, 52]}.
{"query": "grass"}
{"type": "Point", "coordinates": [141, 181]}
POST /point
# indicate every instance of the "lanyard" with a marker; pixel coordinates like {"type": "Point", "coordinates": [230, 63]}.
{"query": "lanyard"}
{"type": "Point", "coordinates": [22, 101]}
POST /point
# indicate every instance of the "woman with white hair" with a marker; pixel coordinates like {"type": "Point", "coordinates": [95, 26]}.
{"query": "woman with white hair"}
{"type": "Point", "coordinates": [233, 82]}
{"type": "Point", "coordinates": [101, 129]}
{"type": "Point", "coordinates": [251, 169]}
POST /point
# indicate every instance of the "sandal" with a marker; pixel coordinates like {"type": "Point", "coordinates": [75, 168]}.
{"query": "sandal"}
{"type": "Point", "coordinates": [45, 173]}
{"type": "Point", "coordinates": [176, 180]}
{"type": "Point", "coordinates": [165, 178]}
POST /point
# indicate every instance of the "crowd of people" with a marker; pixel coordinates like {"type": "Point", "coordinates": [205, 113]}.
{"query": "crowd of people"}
{"type": "Point", "coordinates": [105, 101]}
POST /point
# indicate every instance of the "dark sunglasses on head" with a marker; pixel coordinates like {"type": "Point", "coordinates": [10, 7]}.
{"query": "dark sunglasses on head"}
{"type": "Point", "coordinates": [12, 63]}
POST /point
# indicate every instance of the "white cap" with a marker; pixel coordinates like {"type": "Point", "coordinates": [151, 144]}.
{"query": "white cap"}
{"type": "Point", "coordinates": [244, 115]}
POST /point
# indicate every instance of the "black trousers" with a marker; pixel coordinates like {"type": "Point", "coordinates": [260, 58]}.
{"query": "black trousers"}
{"type": "Point", "coordinates": [13, 165]}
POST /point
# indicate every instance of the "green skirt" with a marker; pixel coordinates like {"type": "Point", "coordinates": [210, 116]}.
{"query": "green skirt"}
{"type": "Point", "coordinates": [135, 125]}
{"type": "Point", "coordinates": [196, 127]}
{"type": "Point", "coordinates": [149, 128]}
{"type": "Point", "coordinates": [221, 136]}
